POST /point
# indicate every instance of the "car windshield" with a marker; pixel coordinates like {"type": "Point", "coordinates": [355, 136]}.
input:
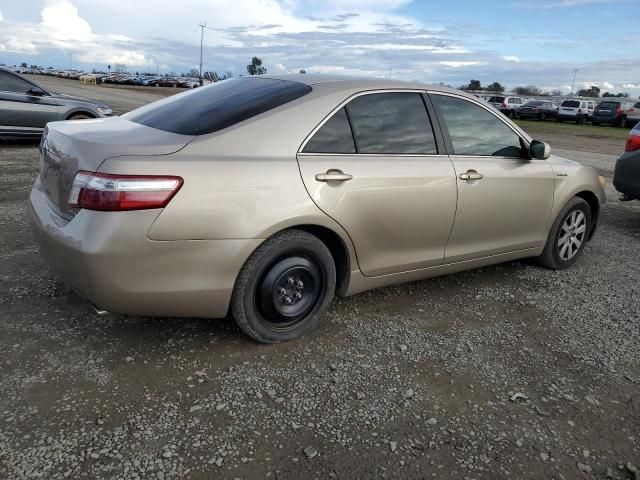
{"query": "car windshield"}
{"type": "Point", "coordinates": [212, 108]}
{"type": "Point", "coordinates": [571, 103]}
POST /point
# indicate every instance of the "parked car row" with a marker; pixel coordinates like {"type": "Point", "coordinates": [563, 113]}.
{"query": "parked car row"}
{"type": "Point", "coordinates": [617, 112]}
{"type": "Point", "coordinates": [116, 78]}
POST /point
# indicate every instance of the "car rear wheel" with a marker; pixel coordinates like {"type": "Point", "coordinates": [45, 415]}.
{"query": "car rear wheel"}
{"type": "Point", "coordinates": [595, 124]}
{"type": "Point", "coordinates": [542, 116]}
{"type": "Point", "coordinates": [284, 288]}
{"type": "Point", "coordinates": [568, 236]}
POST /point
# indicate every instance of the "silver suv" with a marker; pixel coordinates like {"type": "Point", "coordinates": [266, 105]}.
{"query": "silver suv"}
{"type": "Point", "coordinates": [25, 108]}
{"type": "Point", "coordinates": [576, 110]}
{"type": "Point", "coordinates": [507, 105]}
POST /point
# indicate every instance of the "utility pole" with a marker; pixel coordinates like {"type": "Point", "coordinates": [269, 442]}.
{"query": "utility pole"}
{"type": "Point", "coordinates": [573, 84]}
{"type": "Point", "coordinates": [389, 73]}
{"type": "Point", "coordinates": [202, 26]}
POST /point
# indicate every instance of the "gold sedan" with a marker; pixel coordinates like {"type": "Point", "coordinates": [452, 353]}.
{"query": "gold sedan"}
{"type": "Point", "coordinates": [264, 197]}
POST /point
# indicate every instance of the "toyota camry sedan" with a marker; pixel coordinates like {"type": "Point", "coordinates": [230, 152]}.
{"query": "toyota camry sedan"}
{"type": "Point", "coordinates": [264, 197]}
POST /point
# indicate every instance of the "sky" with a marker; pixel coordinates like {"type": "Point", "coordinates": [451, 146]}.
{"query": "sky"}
{"type": "Point", "coordinates": [514, 42]}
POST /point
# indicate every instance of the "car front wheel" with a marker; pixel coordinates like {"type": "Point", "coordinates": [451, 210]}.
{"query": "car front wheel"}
{"type": "Point", "coordinates": [568, 236]}
{"type": "Point", "coordinates": [284, 288]}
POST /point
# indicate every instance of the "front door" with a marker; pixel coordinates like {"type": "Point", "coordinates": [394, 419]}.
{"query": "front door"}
{"type": "Point", "coordinates": [374, 167]}
{"type": "Point", "coordinates": [504, 198]}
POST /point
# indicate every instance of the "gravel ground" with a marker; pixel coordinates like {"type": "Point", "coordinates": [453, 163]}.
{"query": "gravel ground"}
{"type": "Point", "coordinates": [509, 371]}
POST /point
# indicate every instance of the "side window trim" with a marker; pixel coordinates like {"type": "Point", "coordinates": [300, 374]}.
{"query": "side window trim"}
{"type": "Point", "coordinates": [353, 135]}
{"type": "Point", "coordinates": [431, 113]}
{"type": "Point", "coordinates": [445, 132]}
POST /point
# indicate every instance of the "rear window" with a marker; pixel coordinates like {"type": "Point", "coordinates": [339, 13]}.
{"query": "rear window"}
{"type": "Point", "coordinates": [571, 103]}
{"type": "Point", "coordinates": [221, 105]}
{"type": "Point", "coordinates": [535, 104]}
{"type": "Point", "coordinates": [608, 105]}
{"type": "Point", "coordinates": [496, 100]}
{"type": "Point", "coordinates": [637, 105]}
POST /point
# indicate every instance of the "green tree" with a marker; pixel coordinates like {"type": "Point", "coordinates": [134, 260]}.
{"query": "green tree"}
{"type": "Point", "coordinates": [528, 90]}
{"type": "Point", "coordinates": [303, 71]}
{"type": "Point", "coordinates": [474, 85]}
{"type": "Point", "coordinates": [593, 92]}
{"type": "Point", "coordinates": [24, 65]}
{"type": "Point", "coordinates": [255, 67]}
{"type": "Point", "coordinates": [495, 87]}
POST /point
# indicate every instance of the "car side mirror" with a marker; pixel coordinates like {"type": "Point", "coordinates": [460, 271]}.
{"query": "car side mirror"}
{"type": "Point", "coordinates": [539, 150]}
{"type": "Point", "coordinates": [36, 92]}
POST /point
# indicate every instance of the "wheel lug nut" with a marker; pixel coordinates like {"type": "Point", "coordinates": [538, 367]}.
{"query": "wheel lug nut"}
{"type": "Point", "coordinates": [290, 281]}
{"type": "Point", "coordinates": [298, 296]}
{"type": "Point", "coordinates": [288, 300]}
{"type": "Point", "coordinates": [283, 291]}
{"type": "Point", "coordinates": [300, 284]}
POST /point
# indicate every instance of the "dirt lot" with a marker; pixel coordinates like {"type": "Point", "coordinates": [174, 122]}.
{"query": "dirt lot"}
{"type": "Point", "coordinates": [505, 372]}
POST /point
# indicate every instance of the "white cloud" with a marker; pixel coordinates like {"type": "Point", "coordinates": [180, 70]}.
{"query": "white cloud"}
{"type": "Point", "coordinates": [20, 45]}
{"type": "Point", "coordinates": [460, 64]}
{"type": "Point", "coordinates": [631, 85]}
{"type": "Point", "coordinates": [511, 58]}
{"type": "Point", "coordinates": [1, 17]}
{"type": "Point", "coordinates": [62, 22]}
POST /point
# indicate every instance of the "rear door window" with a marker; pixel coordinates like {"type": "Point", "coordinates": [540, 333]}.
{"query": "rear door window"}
{"type": "Point", "coordinates": [496, 100]}
{"type": "Point", "coordinates": [333, 137]}
{"type": "Point", "coordinates": [391, 123]}
{"type": "Point", "coordinates": [218, 106]}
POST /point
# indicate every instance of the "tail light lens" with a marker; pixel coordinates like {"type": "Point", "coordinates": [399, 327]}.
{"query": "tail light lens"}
{"type": "Point", "coordinates": [633, 143]}
{"type": "Point", "coordinates": [618, 111]}
{"type": "Point", "coordinates": [106, 192]}
{"type": "Point", "coordinates": [504, 104]}
{"type": "Point", "coordinates": [579, 110]}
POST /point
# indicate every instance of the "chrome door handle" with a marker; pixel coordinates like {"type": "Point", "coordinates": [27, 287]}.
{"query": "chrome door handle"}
{"type": "Point", "coordinates": [471, 175]}
{"type": "Point", "coordinates": [333, 176]}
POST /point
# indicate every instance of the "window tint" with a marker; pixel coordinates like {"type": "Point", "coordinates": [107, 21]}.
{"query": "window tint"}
{"type": "Point", "coordinates": [570, 104]}
{"type": "Point", "coordinates": [391, 123]}
{"type": "Point", "coordinates": [474, 130]}
{"type": "Point", "coordinates": [333, 137]}
{"type": "Point", "coordinates": [496, 100]}
{"type": "Point", "coordinates": [212, 108]}
{"type": "Point", "coordinates": [608, 105]}
{"type": "Point", "coordinates": [637, 105]}
{"type": "Point", "coordinates": [13, 83]}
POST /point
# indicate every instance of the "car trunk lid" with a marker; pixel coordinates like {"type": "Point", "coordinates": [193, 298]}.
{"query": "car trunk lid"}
{"type": "Point", "coordinates": [71, 146]}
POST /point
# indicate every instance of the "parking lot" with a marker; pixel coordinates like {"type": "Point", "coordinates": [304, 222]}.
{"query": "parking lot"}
{"type": "Point", "coordinates": [508, 371]}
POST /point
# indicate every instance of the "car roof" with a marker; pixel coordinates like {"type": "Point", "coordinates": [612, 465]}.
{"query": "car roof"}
{"type": "Point", "coordinates": [344, 82]}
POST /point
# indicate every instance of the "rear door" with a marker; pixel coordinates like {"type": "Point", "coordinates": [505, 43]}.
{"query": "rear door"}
{"type": "Point", "coordinates": [20, 111]}
{"type": "Point", "coordinates": [504, 199]}
{"type": "Point", "coordinates": [375, 166]}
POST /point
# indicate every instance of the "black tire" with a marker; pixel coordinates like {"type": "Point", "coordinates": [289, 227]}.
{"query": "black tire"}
{"type": "Point", "coordinates": [595, 124]}
{"type": "Point", "coordinates": [622, 122]}
{"type": "Point", "coordinates": [561, 120]}
{"type": "Point", "coordinates": [551, 256]}
{"type": "Point", "coordinates": [512, 114]}
{"type": "Point", "coordinates": [542, 116]}
{"type": "Point", "coordinates": [284, 287]}
{"type": "Point", "coordinates": [80, 116]}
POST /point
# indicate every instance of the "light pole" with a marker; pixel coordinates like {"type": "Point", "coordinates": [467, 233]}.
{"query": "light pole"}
{"type": "Point", "coordinates": [203, 25]}
{"type": "Point", "coordinates": [573, 84]}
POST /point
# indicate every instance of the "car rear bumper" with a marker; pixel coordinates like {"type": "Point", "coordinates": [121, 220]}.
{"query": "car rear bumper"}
{"type": "Point", "coordinates": [626, 177]}
{"type": "Point", "coordinates": [108, 259]}
{"type": "Point", "coordinates": [564, 116]}
{"type": "Point", "coordinates": [608, 120]}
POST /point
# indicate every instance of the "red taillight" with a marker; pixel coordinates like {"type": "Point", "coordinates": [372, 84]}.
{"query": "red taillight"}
{"type": "Point", "coordinates": [618, 111]}
{"type": "Point", "coordinates": [504, 104]}
{"type": "Point", "coordinates": [633, 143]}
{"type": "Point", "coordinates": [579, 110]}
{"type": "Point", "coordinates": [106, 192]}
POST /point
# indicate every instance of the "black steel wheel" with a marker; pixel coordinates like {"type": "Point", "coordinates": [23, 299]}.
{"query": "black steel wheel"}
{"type": "Point", "coordinates": [284, 287]}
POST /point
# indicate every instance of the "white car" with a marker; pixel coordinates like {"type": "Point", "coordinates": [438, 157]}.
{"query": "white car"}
{"type": "Point", "coordinates": [576, 110]}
